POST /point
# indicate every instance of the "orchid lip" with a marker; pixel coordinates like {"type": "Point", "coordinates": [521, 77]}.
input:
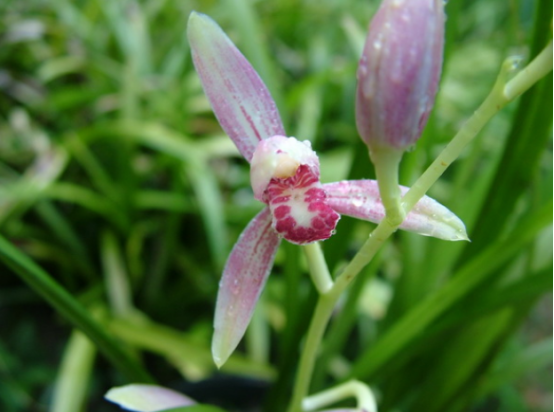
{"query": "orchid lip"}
{"type": "Point", "coordinates": [285, 175]}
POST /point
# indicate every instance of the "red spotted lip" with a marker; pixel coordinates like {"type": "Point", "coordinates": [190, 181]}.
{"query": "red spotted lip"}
{"type": "Point", "coordinates": [299, 208]}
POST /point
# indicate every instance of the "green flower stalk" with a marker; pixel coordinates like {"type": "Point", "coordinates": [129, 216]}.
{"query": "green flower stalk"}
{"type": "Point", "coordinates": [398, 78]}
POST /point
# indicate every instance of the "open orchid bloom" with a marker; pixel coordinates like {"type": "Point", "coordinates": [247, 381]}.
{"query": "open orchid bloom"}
{"type": "Point", "coordinates": [284, 176]}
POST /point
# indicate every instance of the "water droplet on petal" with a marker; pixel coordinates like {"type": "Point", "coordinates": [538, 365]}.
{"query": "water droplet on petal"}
{"type": "Point", "coordinates": [357, 202]}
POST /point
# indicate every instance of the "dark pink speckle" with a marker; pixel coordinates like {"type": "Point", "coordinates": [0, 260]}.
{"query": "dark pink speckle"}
{"type": "Point", "coordinates": [281, 211]}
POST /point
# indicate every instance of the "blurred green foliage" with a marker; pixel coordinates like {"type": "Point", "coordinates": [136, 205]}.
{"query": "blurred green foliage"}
{"type": "Point", "coordinates": [117, 180]}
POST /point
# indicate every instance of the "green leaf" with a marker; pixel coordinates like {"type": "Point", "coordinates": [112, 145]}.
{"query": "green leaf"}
{"type": "Point", "coordinates": [445, 378]}
{"type": "Point", "coordinates": [530, 134]}
{"type": "Point", "coordinates": [460, 285]}
{"type": "Point", "coordinates": [70, 309]}
{"type": "Point", "coordinates": [536, 356]}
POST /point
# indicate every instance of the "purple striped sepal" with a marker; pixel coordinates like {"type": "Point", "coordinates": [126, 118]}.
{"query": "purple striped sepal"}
{"type": "Point", "coordinates": [238, 96]}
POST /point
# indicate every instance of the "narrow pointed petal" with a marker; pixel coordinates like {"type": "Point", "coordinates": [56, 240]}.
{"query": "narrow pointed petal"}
{"type": "Point", "coordinates": [360, 199]}
{"type": "Point", "coordinates": [243, 279]}
{"type": "Point", "coordinates": [239, 98]}
{"type": "Point", "coordinates": [147, 398]}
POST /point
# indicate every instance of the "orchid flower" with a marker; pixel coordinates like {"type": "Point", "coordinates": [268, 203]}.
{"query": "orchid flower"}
{"type": "Point", "coordinates": [285, 176]}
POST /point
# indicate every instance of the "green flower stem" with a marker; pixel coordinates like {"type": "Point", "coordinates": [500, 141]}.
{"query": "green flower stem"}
{"type": "Point", "coordinates": [324, 308]}
{"type": "Point", "coordinates": [344, 321]}
{"type": "Point", "coordinates": [318, 267]}
{"type": "Point", "coordinates": [534, 71]}
{"type": "Point", "coordinates": [73, 378]}
{"type": "Point", "coordinates": [71, 310]}
{"type": "Point", "coordinates": [353, 388]}
{"type": "Point", "coordinates": [372, 245]}
{"type": "Point", "coordinates": [320, 318]}
{"type": "Point", "coordinates": [386, 161]}
{"type": "Point", "coordinates": [502, 93]}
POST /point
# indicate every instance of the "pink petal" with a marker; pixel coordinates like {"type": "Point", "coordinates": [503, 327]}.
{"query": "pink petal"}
{"type": "Point", "coordinates": [239, 98]}
{"type": "Point", "coordinates": [147, 398]}
{"type": "Point", "coordinates": [360, 199]}
{"type": "Point", "coordinates": [243, 279]}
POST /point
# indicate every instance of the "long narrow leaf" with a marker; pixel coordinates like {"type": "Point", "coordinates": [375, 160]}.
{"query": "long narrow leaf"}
{"type": "Point", "coordinates": [70, 309]}
{"type": "Point", "coordinates": [467, 278]}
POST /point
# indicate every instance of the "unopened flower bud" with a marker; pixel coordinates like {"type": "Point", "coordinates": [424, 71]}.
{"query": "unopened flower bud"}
{"type": "Point", "coordinates": [399, 72]}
